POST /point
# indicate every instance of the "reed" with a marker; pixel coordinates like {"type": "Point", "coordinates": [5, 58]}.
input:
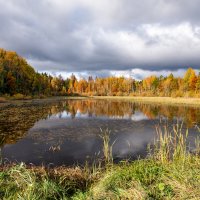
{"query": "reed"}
{"type": "Point", "coordinates": [171, 171]}
{"type": "Point", "coordinates": [171, 143]}
{"type": "Point", "coordinates": [107, 147]}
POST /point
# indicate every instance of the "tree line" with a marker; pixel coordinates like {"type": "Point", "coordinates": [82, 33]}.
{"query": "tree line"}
{"type": "Point", "coordinates": [18, 77]}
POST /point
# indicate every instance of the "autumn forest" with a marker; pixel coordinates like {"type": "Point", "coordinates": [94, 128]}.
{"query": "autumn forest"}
{"type": "Point", "coordinates": [17, 77]}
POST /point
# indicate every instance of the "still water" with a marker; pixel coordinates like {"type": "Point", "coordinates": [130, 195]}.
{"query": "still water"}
{"type": "Point", "coordinates": [68, 132]}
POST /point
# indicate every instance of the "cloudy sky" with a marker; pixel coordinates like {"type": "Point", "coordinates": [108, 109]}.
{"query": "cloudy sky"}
{"type": "Point", "coordinates": [103, 37]}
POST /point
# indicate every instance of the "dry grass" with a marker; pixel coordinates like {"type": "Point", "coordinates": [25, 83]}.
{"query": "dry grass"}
{"type": "Point", "coordinates": [159, 100]}
{"type": "Point", "coordinates": [25, 182]}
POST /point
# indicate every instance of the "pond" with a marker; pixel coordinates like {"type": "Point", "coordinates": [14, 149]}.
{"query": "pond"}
{"type": "Point", "coordinates": [68, 132]}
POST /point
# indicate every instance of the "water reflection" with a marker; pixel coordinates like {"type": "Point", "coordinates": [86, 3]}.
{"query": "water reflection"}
{"type": "Point", "coordinates": [124, 110]}
{"type": "Point", "coordinates": [30, 132]}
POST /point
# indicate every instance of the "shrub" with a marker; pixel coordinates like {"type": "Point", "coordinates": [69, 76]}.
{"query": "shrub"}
{"type": "Point", "coordinates": [18, 96]}
{"type": "Point", "coordinates": [42, 96]}
{"type": "Point", "coordinates": [119, 94]}
{"type": "Point", "coordinates": [110, 94]}
{"type": "Point", "coordinates": [2, 100]}
{"type": "Point", "coordinates": [197, 95]}
{"type": "Point", "coordinates": [189, 94]}
{"type": "Point", "coordinates": [177, 94]}
{"type": "Point", "coordinates": [132, 94]}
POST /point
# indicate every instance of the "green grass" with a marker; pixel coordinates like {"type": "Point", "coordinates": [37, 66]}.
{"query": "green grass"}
{"type": "Point", "coordinates": [145, 179]}
{"type": "Point", "coordinates": [170, 171]}
{"type": "Point", "coordinates": [21, 182]}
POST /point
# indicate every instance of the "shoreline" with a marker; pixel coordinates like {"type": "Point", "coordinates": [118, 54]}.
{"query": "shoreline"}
{"type": "Point", "coordinates": [180, 101]}
{"type": "Point", "coordinates": [158, 100]}
{"type": "Point", "coordinates": [38, 100]}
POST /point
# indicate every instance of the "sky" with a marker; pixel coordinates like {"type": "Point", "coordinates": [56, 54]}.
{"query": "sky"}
{"type": "Point", "coordinates": [134, 38]}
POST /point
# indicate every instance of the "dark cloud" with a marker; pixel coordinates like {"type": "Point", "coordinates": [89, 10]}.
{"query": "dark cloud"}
{"type": "Point", "coordinates": [101, 36]}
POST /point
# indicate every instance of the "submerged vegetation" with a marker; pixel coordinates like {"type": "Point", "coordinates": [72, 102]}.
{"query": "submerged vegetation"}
{"type": "Point", "coordinates": [170, 171]}
{"type": "Point", "coordinates": [15, 71]}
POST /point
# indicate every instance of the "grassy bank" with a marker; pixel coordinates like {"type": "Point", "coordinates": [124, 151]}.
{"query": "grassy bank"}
{"type": "Point", "coordinates": [158, 100]}
{"type": "Point", "coordinates": [169, 172]}
{"type": "Point", "coordinates": [11, 100]}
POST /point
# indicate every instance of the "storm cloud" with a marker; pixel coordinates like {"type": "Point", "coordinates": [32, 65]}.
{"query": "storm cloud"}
{"type": "Point", "coordinates": [101, 36]}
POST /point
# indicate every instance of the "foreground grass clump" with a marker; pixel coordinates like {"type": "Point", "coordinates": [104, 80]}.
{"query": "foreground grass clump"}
{"type": "Point", "coordinates": [22, 182]}
{"type": "Point", "coordinates": [169, 172]}
{"type": "Point", "coordinates": [141, 179]}
{"type": "Point", "coordinates": [146, 179]}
